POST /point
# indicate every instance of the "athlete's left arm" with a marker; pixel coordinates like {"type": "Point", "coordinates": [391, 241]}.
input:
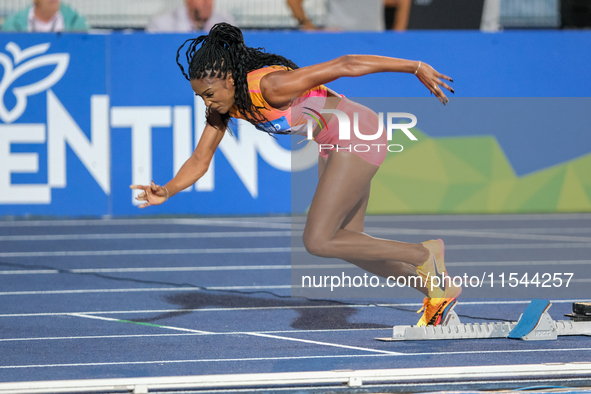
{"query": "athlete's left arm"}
{"type": "Point", "coordinates": [278, 88]}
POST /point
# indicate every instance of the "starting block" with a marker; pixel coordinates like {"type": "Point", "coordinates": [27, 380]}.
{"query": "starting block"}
{"type": "Point", "coordinates": [534, 324]}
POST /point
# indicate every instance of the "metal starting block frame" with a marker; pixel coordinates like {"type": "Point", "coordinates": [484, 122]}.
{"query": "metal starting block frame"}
{"type": "Point", "coordinates": [544, 329]}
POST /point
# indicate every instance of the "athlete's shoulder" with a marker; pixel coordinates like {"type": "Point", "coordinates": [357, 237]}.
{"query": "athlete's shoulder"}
{"type": "Point", "coordinates": [254, 77]}
{"type": "Point", "coordinates": [261, 72]}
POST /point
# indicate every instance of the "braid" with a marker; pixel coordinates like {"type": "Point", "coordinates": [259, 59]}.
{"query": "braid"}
{"type": "Point", "coordinates": [222, 51]}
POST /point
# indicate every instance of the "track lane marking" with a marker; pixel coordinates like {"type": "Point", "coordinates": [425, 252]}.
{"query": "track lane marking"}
{"type": "Point", "coordinates": [187, 334]}
{"type": "Point", "coordinates": [196, 235]}
{"type": "Point", "coordinates": [270, 336]}
{"type": "Point", "coordinates": [139, 323]}
{"type": "Point", "coordinates": [290, 358]}
{"type": "Point", "coordinates": [171, 289]}
{"type": "Point", "coordinates": [322, 343]}
{"type": "Point", "coordinates": [275, 267]}
{"type": "Point", "coordinates": [476, 234]}
{"type": "Point", "coordinates": [262, 221]}
{"type": "Point", "coordinates": [139, 252]}
{"type": "Point", "coordinates": [585, 245]}
{"type": "Point", "coordinates": [132, 252]}
{"type": "Point", "coordinates": [518, 233]}
{"type": "Point", "coordinates": [143, 289]}
{"type": "Point", "coordinates": [411, 305]}
{"type": "Point", "coordinates": [173, 269]}
{"type": "Point", "coordinates": [247, 222]}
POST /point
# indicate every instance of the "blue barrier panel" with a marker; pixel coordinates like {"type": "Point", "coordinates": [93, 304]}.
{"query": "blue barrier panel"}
{"type": "Point", "coordinates": [50, 164]}
{"type": "Point", "coordinates": [84, 116]}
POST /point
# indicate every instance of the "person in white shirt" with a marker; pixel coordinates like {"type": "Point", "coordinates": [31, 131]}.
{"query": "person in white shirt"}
{"type": "Point", "coordinates": [45, 16]}
{"type": "Point", "coordinates": [193, 15]}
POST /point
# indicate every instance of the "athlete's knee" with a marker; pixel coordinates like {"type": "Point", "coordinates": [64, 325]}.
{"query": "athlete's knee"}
{"type": "Point", "coordinates": [315, 245]}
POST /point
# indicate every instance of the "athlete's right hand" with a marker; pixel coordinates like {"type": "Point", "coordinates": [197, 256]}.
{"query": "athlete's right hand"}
{"type": "Point", "coordinates": [152, 195]}
{"type": "Point", "coordinates": [433, 80]}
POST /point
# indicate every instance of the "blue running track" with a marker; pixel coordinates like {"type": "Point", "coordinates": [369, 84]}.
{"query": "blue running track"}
{"type": "Point", "coordinates": [132, 298]}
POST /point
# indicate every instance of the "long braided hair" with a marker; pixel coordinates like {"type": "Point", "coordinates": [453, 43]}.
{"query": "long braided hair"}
{"type": "Point", "coordinates": [222, 51]}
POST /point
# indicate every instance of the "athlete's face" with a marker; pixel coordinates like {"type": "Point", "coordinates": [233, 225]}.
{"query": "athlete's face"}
{"type": "Point", "coordinates": [217, 93]}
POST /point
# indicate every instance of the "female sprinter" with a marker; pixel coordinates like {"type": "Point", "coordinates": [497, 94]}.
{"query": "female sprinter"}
{"type": "Point", "coordinates": [242, 82]}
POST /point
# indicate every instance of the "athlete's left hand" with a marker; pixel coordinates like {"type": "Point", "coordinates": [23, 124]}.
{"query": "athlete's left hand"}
{"type": "Point", "coordinates": [433, 81]}
{"type": "Point", "coordinates": [152, 195]}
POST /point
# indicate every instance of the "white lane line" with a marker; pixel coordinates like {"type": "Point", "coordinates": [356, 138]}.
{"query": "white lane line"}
{"type": "Point", "coordinates": [250, 334]}
{"type": "Point", "coordinates": [175, 269]}
{"type": "Point", "coordinates": [497, 351]}
{"type": "Point", "coordinates": [146, 289]}
{"type": "Point", "coordinates": [483, 218]}
{"type": "Point", "coordinates": [264, 308]}
{"type": "Point", "coordinates": [164, 289]}
{"type": "Point", "coordinates": [321, 343]}
{"type": "Point", "coordinates": [188, 310]}
{"type": "Point", "coordinates": [97, 337]}
{"type": "Point", "coordinates": [132, 252]}
{"type": "Point", "coordinates": [494, 246]}
{"type": "Point", "coordinates": [519, 246]}
{"type": "Point", "coordinates": [585, 245]}
{"type": "Point", "coordinates": [536, 230]}
{"type": "Point", "coordinates": [158, 326]}
{"type": "Point", "coordinates": [268, 221]}
{"type": "Point", "coordinates": [477, 234]}
{"type": "Point", "coordinates": [186, 334]}
{"type": "Point", "coordinates": [248, 222]}
{"type": "Point", "coordinates": [193, 235]}
{"type": "Point", "coordinates": [514, 263]}
{"type": "Point", "coordinates": [507, 233]}
{"type": "Point", "coordinates": [269, 250]}
{"type": "Point", "coordinates": [223, 360]}
{"type": "Point", "coordinates": [246, 359]}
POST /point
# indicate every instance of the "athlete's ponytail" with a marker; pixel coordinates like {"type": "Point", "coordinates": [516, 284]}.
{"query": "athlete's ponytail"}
{"type": "Point", "coordinates": [223, 51]}
{"type": "Point", "coordinates": [226, 35]}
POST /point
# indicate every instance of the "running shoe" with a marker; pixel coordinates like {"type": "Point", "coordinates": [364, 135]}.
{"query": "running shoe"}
{"type": "Point", "coordinates": [441, 289]}
{"type": "Point", "coordinates": [435, 310]}
{"type": "Point", "coordinates": [434, 274]}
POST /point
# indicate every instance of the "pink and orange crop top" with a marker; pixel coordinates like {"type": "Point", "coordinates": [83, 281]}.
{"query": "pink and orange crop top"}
{"type": "Point", "coordinates": [281, 121]}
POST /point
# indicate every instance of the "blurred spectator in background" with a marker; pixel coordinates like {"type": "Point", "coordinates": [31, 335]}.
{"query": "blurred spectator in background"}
{"type": "Point", "coordinates": [349, 15]}
{"type": "Point", "coordinates": [491, 16]}
{"type": "Point", "coordinates": [397, 12]}
{"type": "Point", "coordinates": [191, 16]}
{"type": "Point", "coordinates": [45, 16]}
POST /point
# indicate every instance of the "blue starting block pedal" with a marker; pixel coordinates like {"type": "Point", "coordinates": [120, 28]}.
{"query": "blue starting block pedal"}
{"type": "Point", "coordinates": [534, 321]}
{"type": "Point", "coordinates": [535, 324]}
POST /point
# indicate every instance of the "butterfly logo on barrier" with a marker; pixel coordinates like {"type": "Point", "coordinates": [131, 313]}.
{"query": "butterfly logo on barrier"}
{"type": "Point", "coordinates": [26, 60]}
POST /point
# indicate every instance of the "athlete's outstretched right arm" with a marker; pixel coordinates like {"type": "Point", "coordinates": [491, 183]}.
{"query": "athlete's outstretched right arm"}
{"type": "Point", "coordinates": [193, 169]}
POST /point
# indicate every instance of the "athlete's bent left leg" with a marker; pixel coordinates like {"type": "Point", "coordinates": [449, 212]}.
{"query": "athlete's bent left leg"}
{"type": "Point", "coordinates": [343, 185]}
{"type": "Point", "coordinates": [354, 222]}
{"type": "Point", "coordinates": [334, 229]}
